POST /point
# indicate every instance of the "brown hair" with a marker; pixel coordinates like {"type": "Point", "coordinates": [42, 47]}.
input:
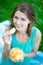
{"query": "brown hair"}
{"type": "Point", "coordinates": [28, 10]}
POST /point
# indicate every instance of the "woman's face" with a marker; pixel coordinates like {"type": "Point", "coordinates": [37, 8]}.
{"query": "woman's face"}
{"type": "Point", "coordinates": [21, 21]}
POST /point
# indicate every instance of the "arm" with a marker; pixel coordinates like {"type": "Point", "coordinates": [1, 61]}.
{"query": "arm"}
{"type": "Point", "coordinates": [36, 44]}
{"type": "Point", "coordinates": [6, 39]}
{"type": "Point", "coordinates": [6, 51]}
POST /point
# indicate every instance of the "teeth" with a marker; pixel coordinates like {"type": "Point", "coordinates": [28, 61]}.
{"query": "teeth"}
{"type": "Point", "coordinates": [12, 31]}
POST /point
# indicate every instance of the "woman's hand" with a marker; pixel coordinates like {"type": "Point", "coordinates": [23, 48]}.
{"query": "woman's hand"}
{"type": "Point", "coordinates": [7, 36]}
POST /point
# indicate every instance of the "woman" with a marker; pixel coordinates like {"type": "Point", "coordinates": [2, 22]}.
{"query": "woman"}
{"type": "Point", "coordinates": [27, 37]}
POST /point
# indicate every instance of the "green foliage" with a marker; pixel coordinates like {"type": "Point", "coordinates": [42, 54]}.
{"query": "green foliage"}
{"type": "Point", "coordinates": [7, 6]}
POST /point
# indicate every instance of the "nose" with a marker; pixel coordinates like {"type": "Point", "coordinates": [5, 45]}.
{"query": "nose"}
{"type": "Point", "coordinates": [18, 21]}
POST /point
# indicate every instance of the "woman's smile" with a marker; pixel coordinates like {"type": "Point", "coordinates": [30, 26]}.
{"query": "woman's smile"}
{"type": "Point", "coordinates": [19, 26]}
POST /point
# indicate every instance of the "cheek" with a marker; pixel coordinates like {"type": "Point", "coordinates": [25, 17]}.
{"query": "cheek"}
{"type": "Point", "coordinates": [25, 24]}
{"type": "Point", "coordinates": [14, 20]}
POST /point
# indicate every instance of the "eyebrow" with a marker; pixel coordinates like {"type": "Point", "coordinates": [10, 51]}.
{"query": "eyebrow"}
{"type": "Point", "coordinates": [17, 17]}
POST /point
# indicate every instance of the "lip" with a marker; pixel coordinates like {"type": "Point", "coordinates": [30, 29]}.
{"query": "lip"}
{"type": "Point", "coordinates": [19, 26]}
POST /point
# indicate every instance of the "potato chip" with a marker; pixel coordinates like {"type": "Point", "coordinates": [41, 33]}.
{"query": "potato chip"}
{"type": "Point", "coordinates": [12, 31]}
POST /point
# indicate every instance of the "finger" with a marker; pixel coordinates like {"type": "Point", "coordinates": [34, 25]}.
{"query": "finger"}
{"type": "Point", "coordinates": [7, 33]}
{"type": "Point", "coordinates": [7, 29]}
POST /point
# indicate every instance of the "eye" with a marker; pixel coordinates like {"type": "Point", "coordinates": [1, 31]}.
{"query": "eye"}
{"type": "Point", "coordinates": [22, 19]}
{"type": "Point", "coordinates": [15, 17]}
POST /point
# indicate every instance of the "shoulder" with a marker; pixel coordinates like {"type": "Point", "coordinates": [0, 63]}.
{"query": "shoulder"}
{"type": "Point", "coordinates": [38, 36]}
{"type": "Point", "coordinates": [38, 33]}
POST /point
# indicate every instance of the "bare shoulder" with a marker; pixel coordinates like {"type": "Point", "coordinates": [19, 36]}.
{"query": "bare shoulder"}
{"type": "Point", "coordinates": [38, 35]}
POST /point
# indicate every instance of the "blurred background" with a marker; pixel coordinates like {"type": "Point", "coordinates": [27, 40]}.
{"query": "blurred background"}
{"type": "Point", "coordinates": [7, 6]}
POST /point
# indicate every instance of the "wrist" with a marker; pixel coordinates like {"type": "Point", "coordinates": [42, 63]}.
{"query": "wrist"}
{"type": "Point", "coordinates": [8, 46]}
{"type": "Point", "coordinates": [25, 55]}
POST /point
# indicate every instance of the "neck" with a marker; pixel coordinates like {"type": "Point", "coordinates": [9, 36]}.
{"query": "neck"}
{"type": "Point", "coordinates": [22, 34]}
